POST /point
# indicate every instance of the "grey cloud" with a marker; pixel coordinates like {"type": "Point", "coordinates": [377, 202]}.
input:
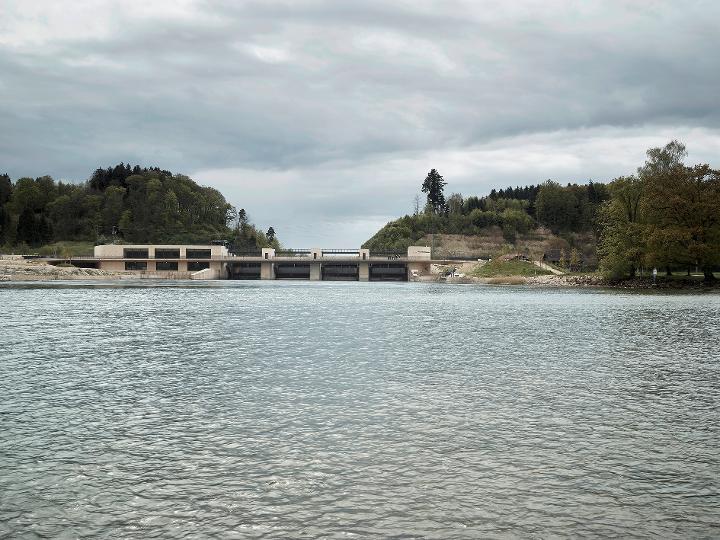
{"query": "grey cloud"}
{"type": "Point", "coordinates": [270, 86]}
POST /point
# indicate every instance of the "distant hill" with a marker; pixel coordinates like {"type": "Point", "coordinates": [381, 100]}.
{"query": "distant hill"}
{"type": "Point", "coordinates": [121, 203]}
{"type": "Point", "coordinates": [532, 219]}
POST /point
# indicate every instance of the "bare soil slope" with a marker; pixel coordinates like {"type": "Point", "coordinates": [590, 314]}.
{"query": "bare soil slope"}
{"type": "Point", "coordinates": [491, 244]}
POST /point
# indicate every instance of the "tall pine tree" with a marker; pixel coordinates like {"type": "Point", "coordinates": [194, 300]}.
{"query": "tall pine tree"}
{"type": "Point", "coordinates": [434, 185]}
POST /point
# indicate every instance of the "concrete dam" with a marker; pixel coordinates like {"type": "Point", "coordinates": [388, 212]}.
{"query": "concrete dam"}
{"type": "Point", "coordinates": [216, 262]}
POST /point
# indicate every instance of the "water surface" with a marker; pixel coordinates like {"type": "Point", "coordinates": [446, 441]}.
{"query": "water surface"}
{"type": "Point", "coordinates": [298, 409]}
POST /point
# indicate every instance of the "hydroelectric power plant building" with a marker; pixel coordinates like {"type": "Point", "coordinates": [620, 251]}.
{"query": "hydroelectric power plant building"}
{"type": "Point", "coordinates": [216, 262]}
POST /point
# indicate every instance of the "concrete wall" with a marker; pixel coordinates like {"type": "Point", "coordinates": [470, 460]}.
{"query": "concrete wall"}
{"type": "Point", "coordinates": [112, 266]}
{"type": "Point", "coordinates": [111, 256]}
{"type": "Point", "coordinates": [363, 271]}
{"type": "Point", "coordinates": [117, 250]}
{"type": "Point", "coordinates": [267, 270]}
{"type": "Point", "coordinates": [419, 252]}
{"type": "Point", "coordinates": [112, 260]}
{"type": "Point", "coordinates": [216, 271]}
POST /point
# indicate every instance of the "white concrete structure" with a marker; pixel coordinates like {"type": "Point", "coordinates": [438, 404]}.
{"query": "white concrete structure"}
{"type": "Point", "coordinates": [152, 260]}
{"type": "Point", "coordinates": [215, 262]}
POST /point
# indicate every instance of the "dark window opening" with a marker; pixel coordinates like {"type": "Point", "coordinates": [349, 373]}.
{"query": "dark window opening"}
{"type": "Point", "coordinates": [195, 266]}
{"type": "Point", "coordinates": [135, 253]}
{"type": "Point", "coordinates": [166, 265]}
{"type": "Point", "coordinates": [167, 253]}
{"type": "Point", "coordinates": [198, 253]}
{"type": "Point", "coordinates": [135, 265]}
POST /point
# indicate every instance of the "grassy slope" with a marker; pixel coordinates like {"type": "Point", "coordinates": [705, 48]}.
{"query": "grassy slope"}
{"type": "Point", "coordinates": [63, 249]}
{"type": "Point", "coordinates": [497, 268]}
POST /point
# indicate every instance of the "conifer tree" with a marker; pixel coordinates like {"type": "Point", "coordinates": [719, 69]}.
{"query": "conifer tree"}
{"type": "Point", "coordinates": [434, 185]}
{"type": "Point", "coordinates": [27, 229]}
{"type": "Point", "coordinates": [563, 259]}
{"type": "Point", "coordinates": [574, 260]}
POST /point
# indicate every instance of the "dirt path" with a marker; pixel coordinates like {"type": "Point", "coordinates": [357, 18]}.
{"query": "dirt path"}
{"type": "Point", "coordinates": [549, 268]}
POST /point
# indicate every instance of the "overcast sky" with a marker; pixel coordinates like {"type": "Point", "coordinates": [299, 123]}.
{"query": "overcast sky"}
{"type": "Point", "coordinates": [321, 118]}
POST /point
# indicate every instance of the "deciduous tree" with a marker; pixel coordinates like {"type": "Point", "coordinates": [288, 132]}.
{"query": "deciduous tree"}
{"type": "Point", "coordinates": [622, 241]}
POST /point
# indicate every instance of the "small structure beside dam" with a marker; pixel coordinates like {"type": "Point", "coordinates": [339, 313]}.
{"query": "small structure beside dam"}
{"type": "Point", "coordinates": [216, 262]}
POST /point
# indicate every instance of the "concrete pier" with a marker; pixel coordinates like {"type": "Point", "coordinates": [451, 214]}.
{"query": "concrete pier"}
{"type": "Point", "coordinates": [364, 271]}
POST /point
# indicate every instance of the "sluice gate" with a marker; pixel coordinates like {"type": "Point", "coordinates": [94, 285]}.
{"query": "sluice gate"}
{"type": "Point", "coordinates": [292, 271]}
{"type": "Point", "coordinates": [340, 272]}
{"type": "Point", "coordinates": [388, 272]}
{"type": "Point", "coordinates": [244, 270]}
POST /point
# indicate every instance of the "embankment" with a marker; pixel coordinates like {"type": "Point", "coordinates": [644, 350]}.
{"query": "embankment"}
{"type": "Point", "coordinates": [24, 270]}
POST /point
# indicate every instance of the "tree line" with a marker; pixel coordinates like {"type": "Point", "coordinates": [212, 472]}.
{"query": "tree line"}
{"type": "Point", "coordinates": [515, 210]}
{"type": "Point", "coordinates": [665, 216]}
{"type": "Point", "coordinates": [123, 203]}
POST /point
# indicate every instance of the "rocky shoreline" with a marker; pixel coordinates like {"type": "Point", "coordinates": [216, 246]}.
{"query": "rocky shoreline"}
{"type": "Point", "coordinates": [589, 280]}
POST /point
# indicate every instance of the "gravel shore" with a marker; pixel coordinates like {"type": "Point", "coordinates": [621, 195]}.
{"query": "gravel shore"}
{"type": "Point", "coordinates": [590, 280]}
{"type": "Point", "coordinates": [23, 270]}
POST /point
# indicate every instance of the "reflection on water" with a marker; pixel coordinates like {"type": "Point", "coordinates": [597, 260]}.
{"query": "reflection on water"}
{"type": "Point", "coordinates": [138, 409]}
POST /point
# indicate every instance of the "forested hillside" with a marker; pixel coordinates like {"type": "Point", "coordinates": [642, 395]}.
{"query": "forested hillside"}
{"type": "Point", "coordinates": [667, 216]}
{"type": "Point", "coordinates": [518, 211]}
{"type": "Point", "coordinates": [121, 203]}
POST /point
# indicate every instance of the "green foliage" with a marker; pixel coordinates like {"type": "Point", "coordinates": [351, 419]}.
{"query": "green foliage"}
{"type": "Point", "coordinates": [455, 204]}
{"type": "Point", "coordinates": [500, 268]}
{"type": "Point", "coordinates": [33, 229]}
{"type": "Point", "coordinates": [5, 225]}
{"type": "Point", "coordinates": [569, 208]}
{"type": "Point", "coordinates": [130, 204]}
{"type": "Point", "coordinates": [622, 242]}
{"type": "Point", "coordinates": [434, 185]}
{"type": "Point", "coordinates": [574, 263]}
{"type": "Point", "coordinates": [511, 209]}
{"type": "Point", "coordinates": [683, 217]}
{"type": "Point", "coordinates": [562, 263]}
{"type": "Point", "coordinates": [666, 216]}
{"type": "Point", "coordinates": [396, 235]}
{"type": "Point", "coordinates": [483, 218]}
{"type": "Point", "coordinates": [6, 189]}
{"type": "Point", "coordinates": [67, 249]}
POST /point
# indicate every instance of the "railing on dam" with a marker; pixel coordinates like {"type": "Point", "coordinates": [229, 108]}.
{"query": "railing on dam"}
{"type": "Point", "coordinates": [293, 252]}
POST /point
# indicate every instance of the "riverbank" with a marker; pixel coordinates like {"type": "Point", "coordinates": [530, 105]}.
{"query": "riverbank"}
{"type": "Point", "coordinates": [514, 271]}
{"type": "Point", "coordinates": [591, 281]}
{"type": "Point", "coordinates": [18, 269]}
{"type": "Point", "coordinates": [14, 269]}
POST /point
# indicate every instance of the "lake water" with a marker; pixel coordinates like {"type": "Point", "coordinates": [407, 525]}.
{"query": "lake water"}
{"type": "Point", "coordinates": [298, 410]}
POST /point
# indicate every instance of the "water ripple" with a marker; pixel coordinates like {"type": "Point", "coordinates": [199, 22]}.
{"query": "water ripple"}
{"type": "Point", "coordinates": [351, 410]}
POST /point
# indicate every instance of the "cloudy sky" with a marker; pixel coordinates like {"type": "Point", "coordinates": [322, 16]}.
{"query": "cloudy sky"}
{"type": "Point", "coordinates": [322, 118]}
